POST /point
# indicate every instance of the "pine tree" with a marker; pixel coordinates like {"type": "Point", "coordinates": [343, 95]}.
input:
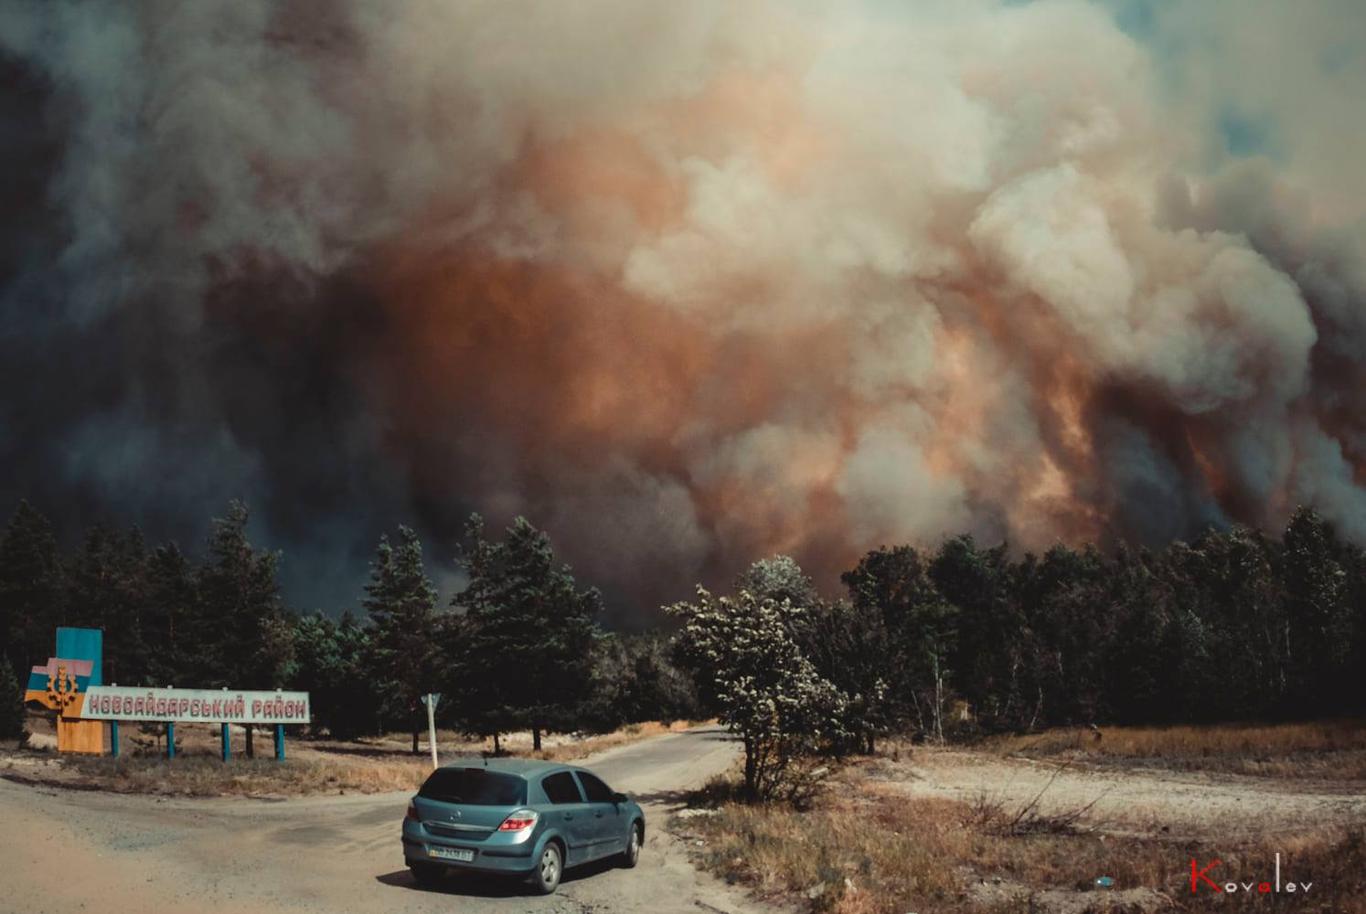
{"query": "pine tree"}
{"type": "Point", "coordinates": [920, 627]}
{"type": "Point", "coordinates": [30, 588]}
{"type": "Point", "coordinates": [358, 698]}
{"type": "Point", "coordinates": [526, 640]}
{"type": "Point", "coordinates": [239, 604]}
{"type": "Point", "coordinates": [988, 629]}
{"type": "Point", "coordinates": [169, 621]}
{"type": "Point", "coordinates": [401, 602]}
{"type": "Point", "coordinates": [1141, 683]}
{"type": "Point", "coordinates": [318, 668]}
{"type": "Point", "coordinates": [1318, 619]}
{"type": "Point", "coordinates": [330, 664]}
{"type": "Point", "coordinates": [636, 680]}
{"type": "Point", "coordinates": [1067, 618]}
{"type": "Point", "coordinates": [11, 702]}
{"type": "Point", "coordinates": [107, 589]}
{"type": "Point", "coordinates": [241, 631]}
{"type": "Point", "coordinates": [1354, 562]}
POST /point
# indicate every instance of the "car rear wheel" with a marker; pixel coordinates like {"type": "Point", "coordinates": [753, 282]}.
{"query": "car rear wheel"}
{"type": "Point", "coordinates": [425, 873]}
{"type": "Point", "coordinates": [631, 856]}
{"type": "Point", "coordinates": [549, 869]}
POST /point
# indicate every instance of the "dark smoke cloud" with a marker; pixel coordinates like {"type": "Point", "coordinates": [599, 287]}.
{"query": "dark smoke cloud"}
{"type": "Point", "coordinates": [684, 283]}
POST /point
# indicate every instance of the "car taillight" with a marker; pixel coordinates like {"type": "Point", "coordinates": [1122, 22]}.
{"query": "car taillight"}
{"type": "Point", "coordinates": [519, 820]}
{"type": "Point", "coordinates": [412, 812]}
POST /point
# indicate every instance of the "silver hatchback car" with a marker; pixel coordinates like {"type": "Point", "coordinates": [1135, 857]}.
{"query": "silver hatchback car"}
{"type": "Point", "coordinates": [518, 817]}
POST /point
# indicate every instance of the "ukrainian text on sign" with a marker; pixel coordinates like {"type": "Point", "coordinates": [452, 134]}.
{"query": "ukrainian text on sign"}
{"type": "Point", "coordinates": [232, 707]}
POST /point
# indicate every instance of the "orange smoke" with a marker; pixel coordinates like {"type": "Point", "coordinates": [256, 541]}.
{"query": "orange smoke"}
{"type": "Point", "coordinates": [526, 376]}
{"type": "Point", "coordinates": [783, 307]}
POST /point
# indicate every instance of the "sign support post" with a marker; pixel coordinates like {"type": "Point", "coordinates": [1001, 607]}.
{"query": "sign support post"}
{"type": "Point", "coordinates": [170, 739]}
{"type": "Point", "coordinates": [430, 700]}
{"type": "Point", "coordinates": [227, 742]}
{"type": "Point", "coordinates": [279, 742]}
{"type": "Point", "coordinates": [114, 738]}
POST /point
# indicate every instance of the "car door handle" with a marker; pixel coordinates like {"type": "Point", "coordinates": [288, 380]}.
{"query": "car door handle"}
{"type": "Point", "coordinates": [568, 816]}
{"type": "Point", "coordinates": [597, 815]}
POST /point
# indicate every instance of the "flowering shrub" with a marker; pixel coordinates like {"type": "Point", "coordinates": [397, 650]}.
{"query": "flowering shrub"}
{"type": "Point", "coordinates": [768, 693]}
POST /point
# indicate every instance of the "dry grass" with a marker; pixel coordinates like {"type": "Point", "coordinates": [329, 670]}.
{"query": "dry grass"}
{"type": "Point", "coordinates": [556, 747]}
{"type": "Point", "coordinates": [570, 750]}
{"type": "Point", "coordinates": [1322, 749]}
{"type": "Point", "coordinates": [994, 815]}
{"type": "Point", "coordinates": [372, 765]}
{"type": "Point", "coordinates": [869, 850]}
{"type": "Point", "coordinates": [205, 776]}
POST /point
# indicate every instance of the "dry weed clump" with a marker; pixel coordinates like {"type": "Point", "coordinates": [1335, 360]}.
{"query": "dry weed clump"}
{"type": "Point", "coordinates": [830, 854]}
{"type": "Point", "coordinates": [994, 815]}
{"type": "Point", "coordinates": [1320, 749]}
{"type": "Point", "coordinates": [868, 849]}
{"type": "Point", "coordinates": [204, 776]}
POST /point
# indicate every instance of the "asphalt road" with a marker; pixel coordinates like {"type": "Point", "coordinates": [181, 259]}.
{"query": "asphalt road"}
{"type": "Point", "coordinates": [69, 851]}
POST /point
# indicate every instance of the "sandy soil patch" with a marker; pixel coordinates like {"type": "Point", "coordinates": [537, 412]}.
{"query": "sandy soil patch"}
{"type": "Point", "coordinates": [1132, 801]}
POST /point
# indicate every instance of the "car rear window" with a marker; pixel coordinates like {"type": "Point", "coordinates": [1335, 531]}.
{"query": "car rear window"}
{"type": "Point", "coordinates": [560, 788]}
{"type": "Point", "coordinates": [474, 787]}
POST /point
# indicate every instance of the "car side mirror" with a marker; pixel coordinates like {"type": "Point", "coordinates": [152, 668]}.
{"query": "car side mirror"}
{"type": "Point", "coordinates": [619, 798]}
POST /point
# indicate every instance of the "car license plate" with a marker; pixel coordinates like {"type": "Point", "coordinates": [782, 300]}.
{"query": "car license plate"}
{"type": "Point", "coordinates": [451, 853]}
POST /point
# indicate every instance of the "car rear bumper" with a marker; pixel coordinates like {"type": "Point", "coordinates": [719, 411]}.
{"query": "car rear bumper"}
{"type": "Point", "coordinates": [486, 860]}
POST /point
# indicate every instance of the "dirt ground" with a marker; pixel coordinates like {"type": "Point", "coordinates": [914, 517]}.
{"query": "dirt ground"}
{"type": "Point", "coordinates": [1134, 801]}
{"type": "Point", "coordinates": [66, 850]}
{"type": "Point", "coordinates": [975, 831]}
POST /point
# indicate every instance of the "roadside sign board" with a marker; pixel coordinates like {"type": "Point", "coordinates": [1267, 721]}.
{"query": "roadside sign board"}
{"type": "Point", "coordinates": [195, 705]}
{"type": "Point", "coordinates": [86, 643]}
{"type": "Point", "coordinates": [61, 686]}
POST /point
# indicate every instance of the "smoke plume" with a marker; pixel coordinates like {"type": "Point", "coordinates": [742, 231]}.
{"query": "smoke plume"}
{"type": "Point", "coordinates": [685, 283]}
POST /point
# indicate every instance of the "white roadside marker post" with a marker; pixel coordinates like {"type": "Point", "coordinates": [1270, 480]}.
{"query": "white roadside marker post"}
{"type": "Point", "coordinates": [430, 700]}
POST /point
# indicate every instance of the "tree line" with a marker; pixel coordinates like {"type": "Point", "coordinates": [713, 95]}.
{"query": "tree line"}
{"type": "Point", "coordinates": [953, 641]}
{"type": "Point", "coordinates": [519, 647]}
{"type": "Point", "coordinates": [961, 640]}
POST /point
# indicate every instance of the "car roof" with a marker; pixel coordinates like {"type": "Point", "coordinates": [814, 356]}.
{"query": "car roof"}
{"type": "Point", "coordinates": [523, 767]}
